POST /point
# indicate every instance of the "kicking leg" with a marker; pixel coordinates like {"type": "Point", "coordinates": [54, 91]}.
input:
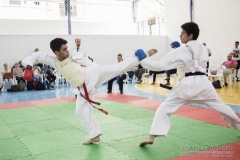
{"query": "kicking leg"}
{"type": "Point", "coordinates": [106, 72]}
{"type": "Point", "coordinates": [225, 111]}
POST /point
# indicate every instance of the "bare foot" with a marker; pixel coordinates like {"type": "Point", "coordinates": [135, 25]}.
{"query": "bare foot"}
{"type": "Point", "coordinates": [149, 140]}
{"type": "Point", "coordinates": [90, 141]}
{"type": "Point", "coordinates": [151, 52]}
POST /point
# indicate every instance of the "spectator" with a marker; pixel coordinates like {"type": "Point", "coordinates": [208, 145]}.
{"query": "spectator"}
{"type": "Point", "coordinates": [236, 56]}
{"type": "Point", "coordinates": [119, 78]}
{"type": "Point", "coordinates": [48, 72]}
{"type": "Point", "coordinates": [130, 75]}
{"type": "Point", "coordinates": [78, 48]}
{"type": "Point", "coordinates": [209, 55]}
{"type": "Point", "coordinates": [18, 72]}
{"type": "Point", "coordinates": [21, 66]}
{"type": "Point", "coordinates": [154, 73]}
{"type": "Point", "coordinates": [174, 45]}
{"type": "Point", "coordinates": [7, 77]}
{"type": "Point", "coordinates": [37, 73]}
{"type": "Point", "coordinates": [139, 72]}
{"type": "Point", "coordinates": [229, 64]}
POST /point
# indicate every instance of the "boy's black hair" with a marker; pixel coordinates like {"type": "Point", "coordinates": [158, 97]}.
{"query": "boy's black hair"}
{"type": "Point", "coordinates": [237, 42]}
{"type": "Point", "coordinates": [56, 44]}
{"type": "Point", "coordinates": [191, 28]}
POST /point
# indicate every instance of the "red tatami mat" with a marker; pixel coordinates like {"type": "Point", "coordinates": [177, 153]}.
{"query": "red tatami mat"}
{"type": "Point", "coordinates": [205, 115]}
{"type": "Point", "coordinates": [36, 103]}
{"type": "Point", "coordinates": [202, 114]}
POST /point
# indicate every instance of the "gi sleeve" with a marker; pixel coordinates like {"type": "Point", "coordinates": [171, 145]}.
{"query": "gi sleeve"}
{"type": "Point", "coordinates": [171, 61]}
{"type": "Point", "coordinates": [40, 57]}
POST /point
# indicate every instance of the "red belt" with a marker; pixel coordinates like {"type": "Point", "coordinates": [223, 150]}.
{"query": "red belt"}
{"type": "Point", "coordinates": [89, 100]}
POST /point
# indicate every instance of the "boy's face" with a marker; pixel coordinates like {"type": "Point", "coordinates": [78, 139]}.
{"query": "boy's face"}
{"type": "Point", "coordinates": [63, 53]}
{"type": "Point", "coordinates": [184, 37]}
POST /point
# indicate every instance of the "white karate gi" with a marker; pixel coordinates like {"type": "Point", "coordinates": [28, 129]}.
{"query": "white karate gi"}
{"type": "Point", "coordinates": [190, 89]}
{"type": "Point", "coordinates": [80, 51]}
{"type": "Point", "coordinates": [95, 76]}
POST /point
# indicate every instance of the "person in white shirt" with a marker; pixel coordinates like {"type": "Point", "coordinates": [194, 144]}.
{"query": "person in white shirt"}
{"type": "Point", "coordinates": [236, 56]}
{"type": "Point", "coordinates": [193, 87]}
{"type": "Point", "coordinates": [78, 48]}
{"type": "Point", "coordinates": [209, 55]}
{"type": "Point", "coordinates": [38, 76]}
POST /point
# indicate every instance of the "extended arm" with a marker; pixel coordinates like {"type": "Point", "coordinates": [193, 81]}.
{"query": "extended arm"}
{"type": "Point", "coordinates": [170, 61]}
{"type": "Point", "coordinates": [39, 57]}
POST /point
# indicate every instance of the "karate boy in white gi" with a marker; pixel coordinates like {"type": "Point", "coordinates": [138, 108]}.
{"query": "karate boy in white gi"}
{"type": "Point", "coordinates": [92, 75]}
{"type": "Point", "coordinates": [194, 87]}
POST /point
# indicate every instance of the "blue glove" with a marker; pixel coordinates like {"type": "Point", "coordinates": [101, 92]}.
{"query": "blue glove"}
{"type": "Point", "coordinates": [140, 54]}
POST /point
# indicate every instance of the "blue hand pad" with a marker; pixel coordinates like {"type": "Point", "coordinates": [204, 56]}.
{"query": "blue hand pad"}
{"type": "Point", "coordinates": [140, 54]}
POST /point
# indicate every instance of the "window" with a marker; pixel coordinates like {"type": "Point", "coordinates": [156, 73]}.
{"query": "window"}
{"type": "Point", "coordinates": [14, 2]}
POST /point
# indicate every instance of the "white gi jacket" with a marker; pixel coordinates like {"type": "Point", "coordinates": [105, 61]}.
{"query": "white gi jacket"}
{"type": "Point", "coordinates": [192, 58]}
{"type": "Point", "coordinates": [41, 57]}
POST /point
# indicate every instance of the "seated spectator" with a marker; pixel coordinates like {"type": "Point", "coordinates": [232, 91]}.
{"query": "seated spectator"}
{"type": "Point", "coordinates": [139, 72]}
{"type": "Point", "coordinates": [18, 72]}
{"type": "Point", "coordinates": [174, 45]}
{"type": "Point", "coordinates": [7, 77]}
{"type": "Point", "coordinates": [37, 73]}
{"type": "Point", "coordinates": [21, 66]}
{"type": "Point", "coordinates": [229, 64]}
{"type": "Point", "coordinates": [130, 75]}
{"type": "Point", "coordinates": [154, 73]}
{"type": "Point", "coordinates": [48, 72]}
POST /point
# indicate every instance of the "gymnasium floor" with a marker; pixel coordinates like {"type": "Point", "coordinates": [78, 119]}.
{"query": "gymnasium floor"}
{"type": "Point", "coordinates": [42, 125]}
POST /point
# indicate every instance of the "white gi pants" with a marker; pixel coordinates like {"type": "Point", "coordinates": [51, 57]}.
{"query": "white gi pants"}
{"type": "Point", "coordinates": [161, 122]}
{"type": "Point", "coordinates": [95, 76]}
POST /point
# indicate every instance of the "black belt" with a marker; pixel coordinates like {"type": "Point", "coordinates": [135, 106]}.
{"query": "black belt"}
{"type": "Point", "coordinates": [194, 74]}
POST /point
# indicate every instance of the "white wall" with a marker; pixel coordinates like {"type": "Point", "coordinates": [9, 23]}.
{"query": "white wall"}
{"type": "Point", "coordinates": [60, 27]}
{"type": "Point", "coordinates": [103, 49]}
{"type": "Point", "coordinates": [218, 21]}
